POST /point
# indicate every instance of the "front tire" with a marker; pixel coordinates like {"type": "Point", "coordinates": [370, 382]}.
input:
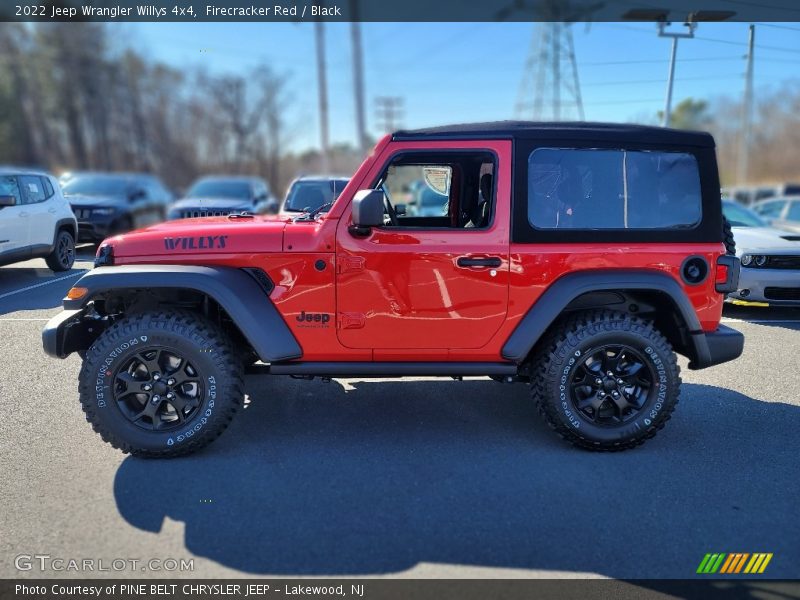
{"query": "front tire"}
{"type": "Point", "coordinates": [606, 380]}
{"type": "Point", "coordinates": [63, 255]}
{"type": "Point", "coordinates": [161, 384]}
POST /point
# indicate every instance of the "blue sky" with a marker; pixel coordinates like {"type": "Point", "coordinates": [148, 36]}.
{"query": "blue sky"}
{"type": "Point", "coordinates": [453, 72]}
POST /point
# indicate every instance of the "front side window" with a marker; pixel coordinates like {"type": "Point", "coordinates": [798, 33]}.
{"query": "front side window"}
{"type": "Point", "coordinates": [613, 189]}
{"type": "Point", "coordinates": [10, 187]}
{"type": "Point", "coordinates": [421, 190]}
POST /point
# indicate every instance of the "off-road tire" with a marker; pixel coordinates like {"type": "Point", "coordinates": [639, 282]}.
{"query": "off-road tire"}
{"type": "Point", "coordinates": [727, 237]}
{"type": "Point", "coordinates": [63, 255]}
{"type": "Point", "coordinates": [209, 350]}
{"type": "Point", "coordinates": [561, 354]}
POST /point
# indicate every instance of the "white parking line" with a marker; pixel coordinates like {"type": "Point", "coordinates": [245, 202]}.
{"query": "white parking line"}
{"type": "Point", "coordinates": [38, 285]}
{"type": "Point", "coordinates": [732, 320]}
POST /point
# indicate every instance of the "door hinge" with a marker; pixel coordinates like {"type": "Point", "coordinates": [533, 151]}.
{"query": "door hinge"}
{"type": "Point", "coordinates": [351, 320]}
{"type": "Point", "coordinates": [349, 264]}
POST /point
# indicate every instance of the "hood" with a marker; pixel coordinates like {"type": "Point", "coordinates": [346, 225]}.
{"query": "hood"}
{"type": "Point", "coordinates": [89, 201]}
{"type": "Point", "coordinates": [203, 236]}
{"type": "Point", "coordinates": [212, 204]}
{"type": "Point", "coordinates": [754, 239]}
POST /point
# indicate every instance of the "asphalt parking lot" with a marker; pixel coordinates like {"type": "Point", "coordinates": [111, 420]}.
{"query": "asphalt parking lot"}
{"type": "Point", "coordinates": [417, 478]}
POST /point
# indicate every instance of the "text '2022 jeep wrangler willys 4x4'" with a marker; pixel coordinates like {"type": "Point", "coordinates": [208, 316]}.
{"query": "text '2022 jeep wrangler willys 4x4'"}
{"type": "Point", "coordinates": [576, 257]}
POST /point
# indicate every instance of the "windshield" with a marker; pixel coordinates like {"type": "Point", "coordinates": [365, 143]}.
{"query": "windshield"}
{"type": "Point", "coordinates": [739, 216]}
{"type": "Point", "coordinates": [310, 195]}
{"type": "Point", "coordinates": [102, 185]}
{"type": "Point", "coordinates": [220, 188]}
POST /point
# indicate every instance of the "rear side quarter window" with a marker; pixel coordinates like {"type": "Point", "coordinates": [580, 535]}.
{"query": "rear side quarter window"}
{"type": "Point", "coordinates": [611, 189]}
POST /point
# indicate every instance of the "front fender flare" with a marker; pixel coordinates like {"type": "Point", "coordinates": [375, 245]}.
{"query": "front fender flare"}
{"type": "Point", "coordinates": [246, 302]}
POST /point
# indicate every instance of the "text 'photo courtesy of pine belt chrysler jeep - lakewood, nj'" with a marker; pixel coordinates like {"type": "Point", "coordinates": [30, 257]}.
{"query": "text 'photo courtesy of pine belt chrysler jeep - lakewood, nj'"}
{"type": "Point", "coordinates": [576, 258]}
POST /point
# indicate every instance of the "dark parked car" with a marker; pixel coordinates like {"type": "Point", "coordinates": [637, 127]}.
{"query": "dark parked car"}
{"type": "Point", "coordinates": [311, 192]}
{"type": "Point", "coordinates": [111, 203]}
{"type": "Point", "coordinates": [222, 195]}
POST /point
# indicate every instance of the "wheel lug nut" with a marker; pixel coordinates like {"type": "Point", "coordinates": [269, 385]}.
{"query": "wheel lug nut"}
{"type": "Point", "coordinates": [156, 376]}
{"type": "Point", "coordinates": [610, 374]}
{"type": "Point", "coordinates": [170, 395]}
{"type": "Point", "coordinates": [615, 393]}
{"type": "Point", "coordinates": [601, 394]}
{"type": "Point", "coordinates": [598, 381]}
{"type": "Point", "coordinates": [171, 381]}
{"type": "Point", "coordinates": [620, 382]}
{"type": "Point", "coordinates": [156, 399]}
{"type": "Point", "coordinates": [147, 387]}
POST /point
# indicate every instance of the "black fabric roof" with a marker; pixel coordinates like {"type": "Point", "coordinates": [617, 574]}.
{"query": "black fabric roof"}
{"type": "Point", "coordinates": [570, 130]}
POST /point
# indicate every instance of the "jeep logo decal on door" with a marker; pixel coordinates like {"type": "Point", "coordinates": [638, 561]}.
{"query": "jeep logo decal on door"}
{"type": "Point", "coordinates": [305, 319]}
{"type": "Point", "coordinates": [203, 242]}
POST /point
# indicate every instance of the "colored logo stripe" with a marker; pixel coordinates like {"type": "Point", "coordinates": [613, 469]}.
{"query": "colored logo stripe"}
{"type": "Point", "coordinates": [734, 563]}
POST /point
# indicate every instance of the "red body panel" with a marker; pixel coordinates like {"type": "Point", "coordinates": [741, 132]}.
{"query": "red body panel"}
{"type": "Point", "coordinates": [400, 295]}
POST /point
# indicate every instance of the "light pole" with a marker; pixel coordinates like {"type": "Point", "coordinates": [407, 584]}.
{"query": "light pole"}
{"type": "Point", "coordinates": [661, 17]}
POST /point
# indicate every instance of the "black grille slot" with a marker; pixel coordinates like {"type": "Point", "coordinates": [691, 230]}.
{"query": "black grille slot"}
{"type": "Point", "coordinates": [781, 293]}
{"type": "Point", "coordinates": [783, 262]}
{"type": "Point", "coordinates": [194, 214]}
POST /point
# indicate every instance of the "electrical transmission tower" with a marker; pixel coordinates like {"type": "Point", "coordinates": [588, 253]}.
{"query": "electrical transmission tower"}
{"type": "Point", "coordinates": [389, 113]}
{"type": "Point", "coordinates": [550, 89]}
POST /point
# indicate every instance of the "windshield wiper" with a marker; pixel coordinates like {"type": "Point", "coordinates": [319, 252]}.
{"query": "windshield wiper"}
{"type": "Point", "coordinates": [309, 216]}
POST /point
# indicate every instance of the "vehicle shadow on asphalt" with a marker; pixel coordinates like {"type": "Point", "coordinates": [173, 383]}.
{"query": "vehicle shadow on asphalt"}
{"type": "Point", "coordinates": [786, 317]}
{"type": "Point", "coordinates": [318, 479]}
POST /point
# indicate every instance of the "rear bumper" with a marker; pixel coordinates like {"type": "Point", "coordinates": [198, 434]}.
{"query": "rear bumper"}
{"type": "Point", "coordinates": [716, 347]}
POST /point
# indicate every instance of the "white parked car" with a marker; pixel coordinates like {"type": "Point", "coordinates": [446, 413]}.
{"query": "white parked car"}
{"type": "Point", "coordinates": [35, 219]}
{"type": "Point", "coordinates": [770, 259]}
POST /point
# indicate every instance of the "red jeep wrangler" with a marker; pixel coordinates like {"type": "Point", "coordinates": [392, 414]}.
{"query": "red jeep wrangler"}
{"type": "Point", "coordinates": [575, 257]}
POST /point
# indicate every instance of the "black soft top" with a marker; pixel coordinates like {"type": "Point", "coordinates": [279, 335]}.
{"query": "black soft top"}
{"type": "Point", "coordinates": [569, 130]}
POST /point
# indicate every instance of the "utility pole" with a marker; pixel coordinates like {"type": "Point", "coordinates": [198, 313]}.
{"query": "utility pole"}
{"type": "Point", "coordinates": [675, 35]}
{"type": "Point", "coordinates": [661, 17]}
{"type": "Point", "coordinates": [358, 79]}
{"type": "Point", "coordinates": [389, 111]}
{"type": "Point", "coordinates": [319, 34]}
{"type": "Point", "coordinates": [747, 112]}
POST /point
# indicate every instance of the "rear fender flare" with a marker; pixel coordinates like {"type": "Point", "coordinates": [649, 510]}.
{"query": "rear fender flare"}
{"type": "Point", "coordinates": [552, 303]}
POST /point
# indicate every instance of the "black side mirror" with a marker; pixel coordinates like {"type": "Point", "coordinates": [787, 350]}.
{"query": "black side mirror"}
{"type": "Point", "coordinates": [368, 208]}
{"type": "Point", "coordinates": [7, 201]}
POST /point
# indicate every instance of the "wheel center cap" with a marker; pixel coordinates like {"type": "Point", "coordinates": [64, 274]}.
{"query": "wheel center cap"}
{"type": "Point", "coordinates": [609, 385]}
{"type": "Point", "coordinates": [160, 388]}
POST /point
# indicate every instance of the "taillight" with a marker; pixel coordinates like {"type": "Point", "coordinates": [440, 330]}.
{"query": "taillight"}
{"type": "Point", "coordinates": [726, 274]}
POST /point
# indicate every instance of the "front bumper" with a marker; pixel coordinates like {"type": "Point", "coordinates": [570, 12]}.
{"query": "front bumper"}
{"type": "Point", "coordinates": [780, 287]}
{"type": "Point", "coordinates": [716, 347]}
{"type": "Point", "coordinates": [94, 231]}
{"type": "Point", "coordinates": [70, 331]}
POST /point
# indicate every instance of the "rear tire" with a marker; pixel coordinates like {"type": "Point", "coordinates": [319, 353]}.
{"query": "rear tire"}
{"type": "Point", "coordinates": [605, 380]}
{"type": "Point", "coordinates": [63, 255]}
{"type": "Point", "coordinates": [161, 384]}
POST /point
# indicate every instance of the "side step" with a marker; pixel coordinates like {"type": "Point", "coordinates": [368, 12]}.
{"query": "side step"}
{"type": "Point", "coordinates": [385, 369]}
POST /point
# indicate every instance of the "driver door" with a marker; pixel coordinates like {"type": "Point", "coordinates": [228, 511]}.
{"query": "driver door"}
{"type": "Point", "coordinates": [426, 283]}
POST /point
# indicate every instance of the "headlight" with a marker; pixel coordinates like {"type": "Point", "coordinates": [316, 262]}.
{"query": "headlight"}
{"type": "Point", "coordinates": [103, 212]}
{"type": "Point", "coordinates": [746, 259]}
{"type": "Point", "coordinates": [760, 261]}
{"type": "Point", "coordinates": [104, 256]}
